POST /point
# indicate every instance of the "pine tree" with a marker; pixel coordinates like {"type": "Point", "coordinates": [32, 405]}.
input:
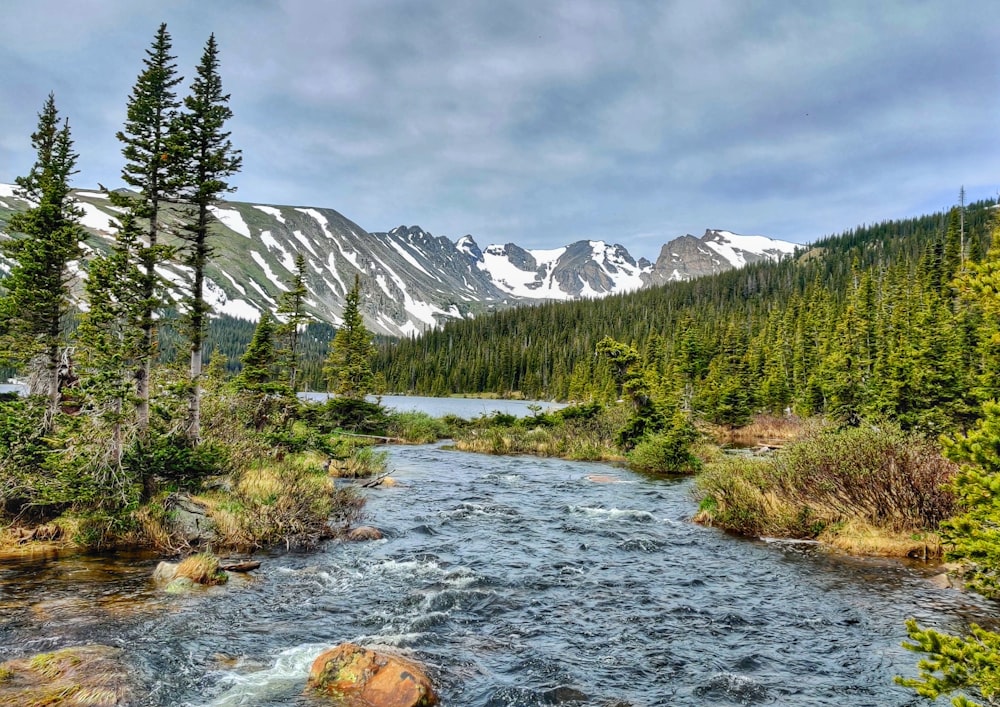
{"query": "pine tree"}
{"type": "Point", "coordinates": [114, 342]}
{"type": "Point", "coordinates": [207, 159]}
{"type": "Point", "coordinates": [146, 140]}
{"type": "Point", "coordinates": [291, 310]}
{"type": "Point", "coordinates": [38, 285]}
{"type": "Point", "coordinates": [259, 358]}
{"type": "Point", "coordinates": [348, 368]}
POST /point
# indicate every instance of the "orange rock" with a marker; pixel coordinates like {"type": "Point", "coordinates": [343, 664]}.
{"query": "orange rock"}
{"type": "Point", "coordinates": [350, 672]}
{"type": "Point", "coordinates": [365, 532]}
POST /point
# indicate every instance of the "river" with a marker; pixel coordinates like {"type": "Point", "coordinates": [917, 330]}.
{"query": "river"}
{"type": "Point", "coordinates": [510, 578]}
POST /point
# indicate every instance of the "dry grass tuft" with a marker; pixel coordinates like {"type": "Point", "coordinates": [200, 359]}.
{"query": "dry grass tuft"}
{"type": "Point", "coordinates": [202, 568]}
{"type": "Point", "coordinates": [860, 538]}
{"type": "Point", "coordinates": [764, 430]}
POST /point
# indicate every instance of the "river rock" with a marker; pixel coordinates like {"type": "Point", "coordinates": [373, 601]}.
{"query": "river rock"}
{"type": "Point", "coordinates": [188, 519]}
{"type": "Point", "coordinates": [364, 532]}
{"type": "Point", "coordinates": [165, 572]}
{"type": "Point", "coordinates": [351, 673]}
{"type": "Point", "coordinates": [72, 677]}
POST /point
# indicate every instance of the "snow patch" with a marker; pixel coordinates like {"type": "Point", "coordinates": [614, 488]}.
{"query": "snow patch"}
{"type": "Point", "coordinates": [232, 281]}
{"type": "Point", "coordinates": [7, 190]}
{"type": "Point", "coordinates": [732, 247]}
{"type": "Point", "coordinates": [271, 211]}
{"type": "Point", "coordinates": [95, 218]}
{"type": "Point", "coordinates": [301, 238]}
{"type": "Point", "coordinates": [231, 219]}
{"type": "Point", "coordinates": [409, 258]}
{"type": "Point", "coordinates": [241, 309]}
{"type": "Point", "coordinates": [287, 261]}
{"type": "Point", "coordinates": [259, 259]}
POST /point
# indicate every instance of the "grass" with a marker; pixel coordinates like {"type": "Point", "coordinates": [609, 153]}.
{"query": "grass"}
{"type": "Point", "coordinates": [766, 430]}
{"type": "Point", "coordinates": [202, 568]}
{"type": "Point", "coordinates": [874, 491]}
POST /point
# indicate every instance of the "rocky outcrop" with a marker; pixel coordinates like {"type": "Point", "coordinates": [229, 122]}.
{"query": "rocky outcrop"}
{"type": "Point", "coordinates": [187, 520]}
{"type": "Point", "coordinates": [72, 677]}
{"type": "Point", "coordinates": [353, 674]}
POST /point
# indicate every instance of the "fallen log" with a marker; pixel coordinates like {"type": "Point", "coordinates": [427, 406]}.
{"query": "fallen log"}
{"type": "Point", "coordinates": [240, 566]}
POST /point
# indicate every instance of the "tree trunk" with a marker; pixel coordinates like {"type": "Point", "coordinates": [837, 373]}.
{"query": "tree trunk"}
{"type": "Point", "coordinates": [194, 405]}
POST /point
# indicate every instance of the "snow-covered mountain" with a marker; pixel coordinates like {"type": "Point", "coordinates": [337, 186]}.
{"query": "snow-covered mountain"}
{"type": "Point", "coordinates": [411, 279]}
{"type": "Point", "coordinates": [689, 257]}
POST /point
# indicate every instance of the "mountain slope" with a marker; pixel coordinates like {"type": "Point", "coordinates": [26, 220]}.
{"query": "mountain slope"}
{"type": "Point", "coordinates": [412, 280]}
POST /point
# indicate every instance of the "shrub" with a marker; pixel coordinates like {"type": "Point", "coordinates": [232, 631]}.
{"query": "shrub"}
{"type": "Point", "coordinates": [174, 460]}
{"type": "Point", "coordinates": [668, 451]}
{"type": "Point", "coordinates": [881, 476]}
{"type": "Point", "coordinates": [287, 503]}
{"type": "Point", "coordinates": [349, 415]}
{"type": "Point", "coordinates": [417, 427]}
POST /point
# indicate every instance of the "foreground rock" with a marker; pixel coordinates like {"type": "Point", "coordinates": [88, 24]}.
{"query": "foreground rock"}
{"type": "Point", "coordinates": [364, 532]}
{"type": "Point", "coordinates": [187, 520]}
{"type": "Point", "coordinates": [199, 569]}
{"type": "Point", "coordinates": [71, 677]}
{"type": "Point", "coordinates": [350, 672]}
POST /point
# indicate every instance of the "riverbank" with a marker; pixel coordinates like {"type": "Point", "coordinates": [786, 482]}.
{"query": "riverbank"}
{"type": "Point", "coordinates": [867, 490]}
{"type": "Point", "coordinates": [516, 579]}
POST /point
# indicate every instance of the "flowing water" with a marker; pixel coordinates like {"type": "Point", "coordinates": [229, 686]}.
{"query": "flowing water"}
{"type": "Point", "coordinates": [517, 581]}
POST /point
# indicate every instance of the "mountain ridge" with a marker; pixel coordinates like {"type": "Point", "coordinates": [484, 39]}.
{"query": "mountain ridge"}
{"type": "Point", "coordinates": [413, 280]}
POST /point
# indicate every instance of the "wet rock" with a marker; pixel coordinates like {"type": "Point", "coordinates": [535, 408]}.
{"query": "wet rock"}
{"type": "Point", "coordinates": [945, 581]}
{"type": "Point", "coordinates": [188, 519]}
{"type": "Point", "coordinates": [72, 677]}
{"type": "Point", "coordinates": [349, 672]}
{"type": "Point", "coordinates": [603, 479]}
{"type": "Point", "coordinates": [165, 572]}
{"type": "Point", "coordinates": [563, 695]}
{"type": "Point", "coordinates": [181, 585]}
{"type": "Point", "coordinates": [365, 532]}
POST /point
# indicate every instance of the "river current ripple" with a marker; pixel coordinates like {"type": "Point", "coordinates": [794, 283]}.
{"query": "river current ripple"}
{"type": "Point", "coordinates": [518, 582]}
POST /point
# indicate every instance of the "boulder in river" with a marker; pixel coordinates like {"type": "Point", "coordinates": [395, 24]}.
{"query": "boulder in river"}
{"type": "Point", "coordinates": [72, 677]}
{"type": "Point", "coordinates": [350, 672]}
{"type": "Point", "coordinates": [365, 532]}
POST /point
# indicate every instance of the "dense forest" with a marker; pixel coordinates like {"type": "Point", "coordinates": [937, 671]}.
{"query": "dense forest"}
{"type": "Point", "coordinates": [874, 321]}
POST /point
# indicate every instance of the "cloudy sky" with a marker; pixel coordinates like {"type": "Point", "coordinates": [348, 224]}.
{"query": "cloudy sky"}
{"type": "Point", "coordinates": [548, 121]}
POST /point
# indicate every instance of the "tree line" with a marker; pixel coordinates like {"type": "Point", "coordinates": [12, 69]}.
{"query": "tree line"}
{"type": "Point", "coordinates": [876, 321]}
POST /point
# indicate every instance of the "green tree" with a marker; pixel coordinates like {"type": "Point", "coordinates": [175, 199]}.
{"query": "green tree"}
{"type": "Point", "coordinates": [293, 315]}
{"type": "Point", "coordinates": [258, 361]}
{"type": "Point", "coordinates": [150, 168]}
{"type": "Point", "coordinates": [348, 368]}
{"type": "Point", "coordinates": [47, 240]}
{"type": "Point", "coordinates": [113, 341]}
{"type": "Point", "coordinates": [206, 159]}
{"type": "Point", "coordinates": [968, 664]}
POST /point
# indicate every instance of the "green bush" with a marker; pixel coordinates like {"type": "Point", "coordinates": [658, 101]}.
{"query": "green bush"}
{"type": "Point", "coordinates": [668, 451]}
{"type": "Point", "coordinates": [417, 427]}
{"type": "Point", "coordinates": [349, 415]}
{"type": "Point", "coordinates": [172, 459]}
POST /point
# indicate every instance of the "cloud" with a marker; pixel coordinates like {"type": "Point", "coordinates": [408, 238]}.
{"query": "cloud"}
{"type": "Point", "coordinates": [542, 123]}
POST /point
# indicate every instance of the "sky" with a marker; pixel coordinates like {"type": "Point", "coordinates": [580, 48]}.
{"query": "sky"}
{"type": "Point", "coordinates": [544, 122]}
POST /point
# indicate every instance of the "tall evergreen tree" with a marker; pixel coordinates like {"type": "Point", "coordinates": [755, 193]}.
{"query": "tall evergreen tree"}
{"type": "Point", "coordinates": [37, 299]}
{"type": "Point", "coordinates": [114, 340]}
{"type": "Point", "coordinates": [207, 159]}
{"type": "Point", "coordinates": [149, 167]}
{"type": "Point", "coordinates": [348, 368]}
{"type": "Point", "coordinates": [292, 312]}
